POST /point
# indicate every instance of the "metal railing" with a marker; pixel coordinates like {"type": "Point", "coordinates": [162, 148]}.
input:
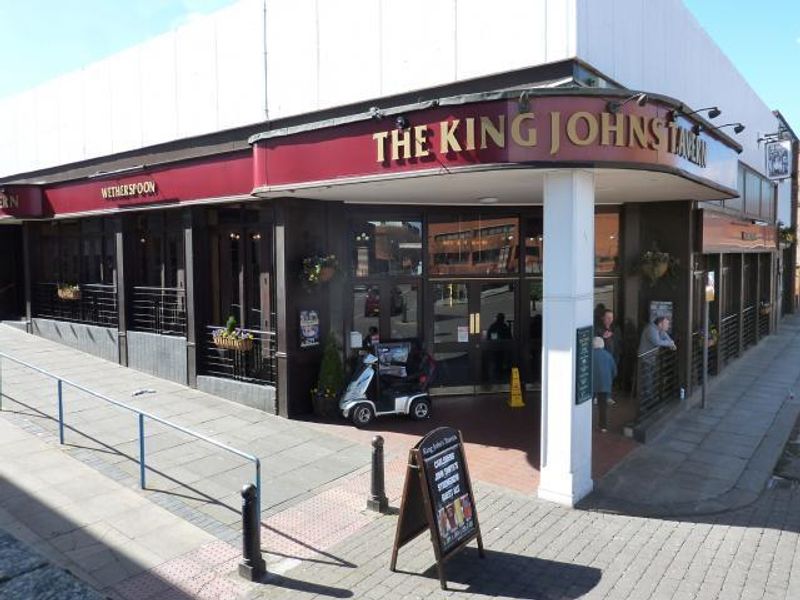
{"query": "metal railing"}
{"type": "Point", "coordinates": [142, 415]}
{"type": "Point", "coordinates": [729, 337]}
{"type": "Point", "coordinates": [92, 303]}
{"type": "Point", "coordinates": [656, 380]}
{"type": "Point", "coordinates": [251, 360]}
{"type": "Point", "coordinates": [158, 310]}
{"type": "Point", "coordinates": [763, 321]}
{"type": "Point", "coordinates": [697, 358]}
{"type": "Point", "coordinates": [748, 326]}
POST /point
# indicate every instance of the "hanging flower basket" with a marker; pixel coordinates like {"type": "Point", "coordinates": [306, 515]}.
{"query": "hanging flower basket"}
{"type": "Point", "coordinates": [318, 269]}
{"type": "Point", "coordinates": [655, 270]}
{"type": "Point", "coordinates": [229, 343]}
{"type": "Point", "coordinates": [654, 264]}
{"type": "Point", "coordinates": [69, 292]}
{"type": "Point", "coordinates": [232, 338]}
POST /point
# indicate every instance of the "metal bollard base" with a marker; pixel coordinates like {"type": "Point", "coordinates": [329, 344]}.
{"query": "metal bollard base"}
{"type": "Point", "coordinates": [380, 505]}
{"type": "Point", "coordinates": [253, 570]}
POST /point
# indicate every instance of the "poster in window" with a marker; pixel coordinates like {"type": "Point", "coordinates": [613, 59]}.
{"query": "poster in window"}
{"type": "Point", "coordinates": [309, 328]}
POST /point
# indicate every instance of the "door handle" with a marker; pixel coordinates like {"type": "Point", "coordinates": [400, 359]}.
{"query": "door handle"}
{"type": "Point", "coordinates": [477, 323]}
{"type": "Point", "coordinates": [471, 323]}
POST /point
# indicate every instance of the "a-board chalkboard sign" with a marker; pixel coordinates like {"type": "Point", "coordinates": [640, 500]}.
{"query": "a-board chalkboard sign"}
{"type": "Point", "coordinates": [437, 496]}
{"type": "Point", "coordinates": [583, 365]}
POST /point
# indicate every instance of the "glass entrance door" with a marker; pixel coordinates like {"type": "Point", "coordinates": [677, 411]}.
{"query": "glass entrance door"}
{"type": "Point", "coordinates": [474, 328]}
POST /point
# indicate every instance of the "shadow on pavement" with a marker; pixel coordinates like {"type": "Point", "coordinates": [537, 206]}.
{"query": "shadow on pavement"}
{"type": "Point", "coordinates": [316, 589]}
{"type": "Point", "coordinates": [79, 551]}
{"type": "Point", "coordinates": [515, 576]}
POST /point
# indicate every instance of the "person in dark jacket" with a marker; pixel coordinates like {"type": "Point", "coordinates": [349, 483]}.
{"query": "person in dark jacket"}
{"type": "Point", "coordinates": [604, 370]}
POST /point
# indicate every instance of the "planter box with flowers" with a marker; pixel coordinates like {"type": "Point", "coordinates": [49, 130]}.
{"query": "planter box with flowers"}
{"type": "Point", "coordinates": [69, 292]}
{"type": "Point", "coordinates": [318, 269]}
{"type": "Point", "coordinates": [233, 338]}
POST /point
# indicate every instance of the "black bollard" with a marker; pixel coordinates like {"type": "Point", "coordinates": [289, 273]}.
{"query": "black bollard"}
{"type": "Point", "coordinates": [377, 497]}
{"type": "Point", "coordinates": [252, 566]}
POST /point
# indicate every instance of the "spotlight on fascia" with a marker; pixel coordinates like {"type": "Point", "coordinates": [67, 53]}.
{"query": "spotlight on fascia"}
{"type": "Point", "coordinates": [489, 200]}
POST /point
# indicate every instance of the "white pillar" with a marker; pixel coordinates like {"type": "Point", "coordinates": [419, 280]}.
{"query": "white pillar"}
{"type": "Point", "coordinates": [566, 442]}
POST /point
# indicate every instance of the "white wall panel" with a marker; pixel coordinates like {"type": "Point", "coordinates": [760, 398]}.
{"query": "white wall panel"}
{"type": "Point", "coordinates": [240, 64]}
{"type": "Point", "coordinates": [292, 57]}
{"type": "Point", "coordinates": [70, 133]}
{"type": "Point", "coordinates": [497, 36]}
{"type": "Point", "coordinates": [158, 78]}
{"type": "Point", "coordinates": [196, 86]}
{"type": "Point", "coordinates": [47, 124]}
{"type": "Point", "coordinates": [97, 109]}
{"type": "Point", "coordinates": [660, 47]}
{"type": "Point", "coordinates": [417, 44]}
{"type": "Point", "coordinates": [561, 30]}
{"type": "Point", "coordinates": [126, 101]}
{"type": "Point", "coordinates": [9, 149]}
{"type": "Point", "coordinates": [349, 51]}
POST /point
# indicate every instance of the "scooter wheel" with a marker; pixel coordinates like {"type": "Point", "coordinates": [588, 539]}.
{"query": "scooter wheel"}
{"type": "Point", "coordinates": [362, 415]}
{"type": "Point", "coordinates": [420, 409]}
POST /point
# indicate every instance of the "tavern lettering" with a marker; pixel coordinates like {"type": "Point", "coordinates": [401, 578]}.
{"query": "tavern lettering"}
{"type": "Point", "coordinates": [581, 129]}
{"type": "Point", "coordinates": [8, 200]}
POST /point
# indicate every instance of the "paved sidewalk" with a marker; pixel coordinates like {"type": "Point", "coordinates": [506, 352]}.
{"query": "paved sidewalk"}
{"type": "Point", "coordinates": [111, 537]}
{"type": "Point", "coordinates": [721, 457]}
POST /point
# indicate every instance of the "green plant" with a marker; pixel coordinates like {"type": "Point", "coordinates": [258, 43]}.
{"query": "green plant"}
{"type": "Point", "coordinates": [330, 381]}
{"type": "Point", "coordinates": [317, 269]}
{"type": "Point", "coordinates": [654, 264]}
{"type": "Point", "coordinates": [786, 234]}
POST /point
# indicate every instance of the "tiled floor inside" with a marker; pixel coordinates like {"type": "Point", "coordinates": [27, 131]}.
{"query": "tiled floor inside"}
{"type": "Point", "coordinates": [502, 443]}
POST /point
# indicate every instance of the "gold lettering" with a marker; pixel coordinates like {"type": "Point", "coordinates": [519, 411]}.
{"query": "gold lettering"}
{"type": "Point", "coordinates": [516, 130]}
{"type": "Point", "coordinates": [701, 159]}
{"type": "Point", "coordinates": [498, 134]}
{"type": "Point", "coordinates": [470, 134]}
{"type": "Point", "coordinates": [607, 128]}
{"type": "Point", "coordinates": [398, 143]}
{"type": "Point", "coordinates": [420, 149]}
{"type": "Point", "coordinates": [555, 132]}
{"type": "Point", "coordinates": [637, 130]}
{"type": "Point", "coordinates": [380, 139]}
{"type": "Point", "coordinates": [104, 192]}
{"type": "Point", "coordinates": [591, 126]}
{"type": "Point", "coordinates": [448, 137]}
{"type": "Point", "coordinates": [680, 149]}
{"type": "Point", "coordinates": [659, 134]}
{"type": "Point", "coordinates": [673, 138]}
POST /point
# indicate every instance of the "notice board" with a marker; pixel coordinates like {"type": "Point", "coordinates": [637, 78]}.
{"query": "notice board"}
{"type": "Point", "coordinates": [583, 364]}
{"type": "Point", "coordinates": [437, 496]}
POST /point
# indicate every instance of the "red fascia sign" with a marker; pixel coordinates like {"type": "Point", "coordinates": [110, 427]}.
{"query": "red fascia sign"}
{"type": "Point", "coordinates": [551, 131]}
{"type": "Point", "coordinates": [20, 201]}
{"type": "Point", "coordinates": [198, 180]}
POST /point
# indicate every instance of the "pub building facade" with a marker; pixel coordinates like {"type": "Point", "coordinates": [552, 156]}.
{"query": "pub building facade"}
{"type": "Point", "coordinates": [444, 208]}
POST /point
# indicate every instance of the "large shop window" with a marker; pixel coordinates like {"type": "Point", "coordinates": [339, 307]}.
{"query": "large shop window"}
{"type": "Point", "coordinates": [74, 278]}
{"type": "Point", "coordinates": [159, 286]}
{"type": "Point", "coordinates": [473, 245]}
{"type": "Point", "coordinates": [606, 243]}
{"type": "Point", "coordinates": [386, 247]}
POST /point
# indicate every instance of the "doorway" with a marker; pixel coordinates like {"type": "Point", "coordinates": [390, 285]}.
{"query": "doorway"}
{"type": "Point", "coordinates": [475, 326]}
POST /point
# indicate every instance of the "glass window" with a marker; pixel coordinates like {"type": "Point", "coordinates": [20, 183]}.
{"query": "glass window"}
{"type": "Point", "coordinates": [752, 197]}
{"type": "Point", "coordinates": [450, 312]}
{"type": "Point", "coordinates": [536, 316]}
{"type": "Point", "coordinates": [366, 310]}
{"type": "Point", "coordinates": [403, 302]}
{"type": "Point", "coordinates": [473, 246]}
{"type": "Point", "coordinates": [767, 195]}
{"type": "Point", "coordinates": [386, 248]}
{"type": "Point", "coordinates": [534, 237]}
{"type": "Point", "coordinates": [606, 242]}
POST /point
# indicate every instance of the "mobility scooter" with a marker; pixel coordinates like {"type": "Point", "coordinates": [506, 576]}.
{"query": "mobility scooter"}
{"type": "Point", "coordinates": [392, 380]}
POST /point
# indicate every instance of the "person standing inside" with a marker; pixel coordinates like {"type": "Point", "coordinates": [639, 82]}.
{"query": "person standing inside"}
{"type": "Point", "coordinates": [612, 338]}
{"type": "Point", "coordinates": [604, 370]}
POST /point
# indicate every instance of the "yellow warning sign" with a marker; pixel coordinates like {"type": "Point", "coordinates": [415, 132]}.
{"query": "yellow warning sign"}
{"type": "Point", "coordinates": [515, 397]}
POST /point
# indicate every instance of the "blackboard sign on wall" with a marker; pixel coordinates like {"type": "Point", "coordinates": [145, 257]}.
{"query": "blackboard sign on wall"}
{"type": "Point", "coordinates": [437, 496]}
{"type": "Point", "coordinates": [583, 364]}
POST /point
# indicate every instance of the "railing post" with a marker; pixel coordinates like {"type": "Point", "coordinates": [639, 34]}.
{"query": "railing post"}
{"type": "Point", "coordinates": [141, 452]}
{"type": "Point", "coordinates": [252, 566]}
{"type": "Point", "coordinates": [60, 412]}
{"type": "Point", "coordinates": [377, 498]}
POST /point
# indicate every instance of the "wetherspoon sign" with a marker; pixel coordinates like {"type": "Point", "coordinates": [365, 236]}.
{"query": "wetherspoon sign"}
{"type": "Point", "coordinates": [437, 496]}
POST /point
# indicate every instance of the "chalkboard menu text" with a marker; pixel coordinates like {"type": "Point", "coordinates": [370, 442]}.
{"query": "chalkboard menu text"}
{"type": "Point", "coordinates": [583, 364]}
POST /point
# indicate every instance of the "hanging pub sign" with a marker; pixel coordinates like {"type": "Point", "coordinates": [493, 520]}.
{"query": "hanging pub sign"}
{"type": "Point", "coordinates": [778, 157]}
{"type": "Point", "coordinates": [309, 328]}
{"type": "Point", "coordinates": [583, 365]}
{"type": "Point", "coordinates": [437, 497]}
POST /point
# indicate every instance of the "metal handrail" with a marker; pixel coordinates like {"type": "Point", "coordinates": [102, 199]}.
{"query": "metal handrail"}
{"type": "Point", "coordinates": [141, 414]}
